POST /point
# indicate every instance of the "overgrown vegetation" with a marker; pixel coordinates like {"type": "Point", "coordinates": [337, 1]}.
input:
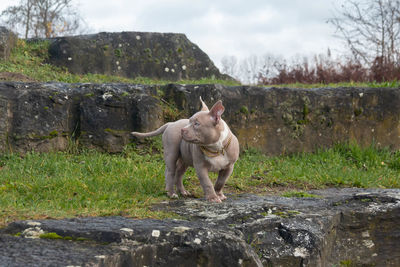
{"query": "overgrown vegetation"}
{"type": "Point", "coordinates": [89, 183]}
{"type": "Point", "coordinates": [29, 58]}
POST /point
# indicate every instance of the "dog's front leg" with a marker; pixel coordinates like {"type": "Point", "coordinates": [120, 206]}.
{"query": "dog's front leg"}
{"type": "Point", "coordinates": [206, 183]}
{"type": "Point", "coordinates": [223, 175]}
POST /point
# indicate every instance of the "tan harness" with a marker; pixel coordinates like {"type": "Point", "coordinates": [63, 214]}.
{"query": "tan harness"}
{"type": "Point", "coordinates": [215, 153]}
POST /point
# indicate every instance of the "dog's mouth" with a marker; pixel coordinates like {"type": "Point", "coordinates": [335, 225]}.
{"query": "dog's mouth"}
{"type": "Point", "coordinates": [190, 140]}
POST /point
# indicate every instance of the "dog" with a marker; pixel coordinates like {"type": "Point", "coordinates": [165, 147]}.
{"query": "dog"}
{"type": "Point", "coordinates": [204, 142]}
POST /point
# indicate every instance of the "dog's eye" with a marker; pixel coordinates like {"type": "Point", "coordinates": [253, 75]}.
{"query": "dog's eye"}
{"type": "Point", "coordinates": [196, 124]}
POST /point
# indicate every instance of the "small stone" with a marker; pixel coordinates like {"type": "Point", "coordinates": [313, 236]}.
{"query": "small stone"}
{"type": "Point", "coordinates": [365, 234]}
{"type": "Point", "coordinates": [33, 223]}
{"type": "Point", "coordinates": [368, 243]}
{"type": "Point", "coordinates": [155, 233]}
{"type": "Point", "coordinates": [127, 230]}
{"type": "Point", "coordinates": [180, 229]}
{"type": "Point", "coordinates": [301, 252]}
{"type": "Point", "coordinates": [33, 232]}
{"type": "Point", "coordinates": [100, 257]}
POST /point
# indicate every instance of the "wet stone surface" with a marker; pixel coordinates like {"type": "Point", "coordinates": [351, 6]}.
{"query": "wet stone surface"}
{"type": "Point", "coordinates": [339, 226]}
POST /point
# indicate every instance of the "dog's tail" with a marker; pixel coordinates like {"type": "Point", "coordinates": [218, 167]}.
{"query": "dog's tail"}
{"type": "Point", "coordinates": [153, 133]}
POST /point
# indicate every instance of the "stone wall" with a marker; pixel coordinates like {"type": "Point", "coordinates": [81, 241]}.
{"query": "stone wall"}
{"type": "Point", "coordinates": [47, 116]}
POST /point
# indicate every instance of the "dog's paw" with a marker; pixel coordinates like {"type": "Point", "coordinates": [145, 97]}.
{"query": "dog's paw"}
{"type": "Point", "coordinates": [221, 196]}
{"type": "Point", "coordinates": [185, 193]}
{"type": "Point", "coordinates": [214, 199]}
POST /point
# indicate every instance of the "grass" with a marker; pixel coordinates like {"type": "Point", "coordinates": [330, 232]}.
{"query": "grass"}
{"type": "Point", "coordinates": [29, 58]}
{"type": "Point", "coordinates": [90, 183]}
{"type": "Point", "coordinates": [343, 165]}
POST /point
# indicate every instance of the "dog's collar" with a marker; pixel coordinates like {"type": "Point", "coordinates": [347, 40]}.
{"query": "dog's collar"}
{"type": "Point", "coordinates": [215, 153]}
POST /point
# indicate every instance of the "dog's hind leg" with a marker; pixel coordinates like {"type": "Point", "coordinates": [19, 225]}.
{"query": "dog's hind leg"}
{"type": "Point", "coordinates": [171, 154]}
{"type": "Point", "coordinates": [170, 170]}
{"type": "Point", "coordinates": [179, 172]}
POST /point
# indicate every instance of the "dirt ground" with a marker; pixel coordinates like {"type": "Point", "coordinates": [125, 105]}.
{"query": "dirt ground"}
{"type": "Point", "coordinates": [15, 77]}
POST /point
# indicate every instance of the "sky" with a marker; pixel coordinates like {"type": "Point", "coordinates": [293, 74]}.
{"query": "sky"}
{"type": "Point", "coordinates": [222, 27]}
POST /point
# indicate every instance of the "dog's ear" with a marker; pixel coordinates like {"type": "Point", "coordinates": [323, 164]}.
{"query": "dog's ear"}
{"type": "Point", "coordinates": [216, 111]}
{"type": "Point", "coordinates": [203, 105]}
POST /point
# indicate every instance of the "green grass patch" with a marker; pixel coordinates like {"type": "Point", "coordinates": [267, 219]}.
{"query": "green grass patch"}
{"type": "Point", "coordinates": [341, 166]}
{"type": "Point", "coordinates": [90, 183]}
{"type": "Point", "coordinates": [29, 58]}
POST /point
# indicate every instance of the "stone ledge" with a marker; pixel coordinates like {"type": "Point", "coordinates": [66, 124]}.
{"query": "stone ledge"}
{"type": "Point", "coordinates": [354, 226]}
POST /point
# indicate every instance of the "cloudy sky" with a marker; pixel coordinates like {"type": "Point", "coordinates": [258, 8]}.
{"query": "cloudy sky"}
{"type": "Point", "coordinates": [222, 27]}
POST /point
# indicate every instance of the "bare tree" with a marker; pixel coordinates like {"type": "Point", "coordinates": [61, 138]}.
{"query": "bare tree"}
{"type": "Point", "coordinates": [43, 18]}
{"type": "Point", "coordinates": [20, 17]}
{"type": "Point", "coordinates": [371, 29]}
{"type": "Point", "coordinates": [230, 66]}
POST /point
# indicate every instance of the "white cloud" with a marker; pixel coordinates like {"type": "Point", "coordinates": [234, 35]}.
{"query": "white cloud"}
{"type": "Point", "coordinates": [223, 27]}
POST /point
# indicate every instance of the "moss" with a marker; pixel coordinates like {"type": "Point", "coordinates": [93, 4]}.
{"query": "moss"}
{"type": "Point", "coordinates": [293, 212]}
{"type": "Point", "coordinates": [51, 236]}
{"type": "Point", "coordinates": [281, 214]}
{"type": "Point", "coordinates": [346, 263]}
{"type": "Point", "coordinates": [306, 110]}
{"type": "Point", "coordinates": [358, 111]}
{"type": "Point", "coordinates": [303, 122]}
{"type": "Point", "coordinates": [53, 134]}
{"type": "Point", "coordinates": [89, 94]}
{"type": "Point", "coordinates": [299, 194]}
{"type": "Point", "coordinates": [244, 110]}
{"type": "Point", "coordinates": [118, 52]}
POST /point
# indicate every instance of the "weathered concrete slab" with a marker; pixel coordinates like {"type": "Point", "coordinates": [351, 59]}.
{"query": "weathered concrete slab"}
{"type": "Point", "coordinates": [341, 226]}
